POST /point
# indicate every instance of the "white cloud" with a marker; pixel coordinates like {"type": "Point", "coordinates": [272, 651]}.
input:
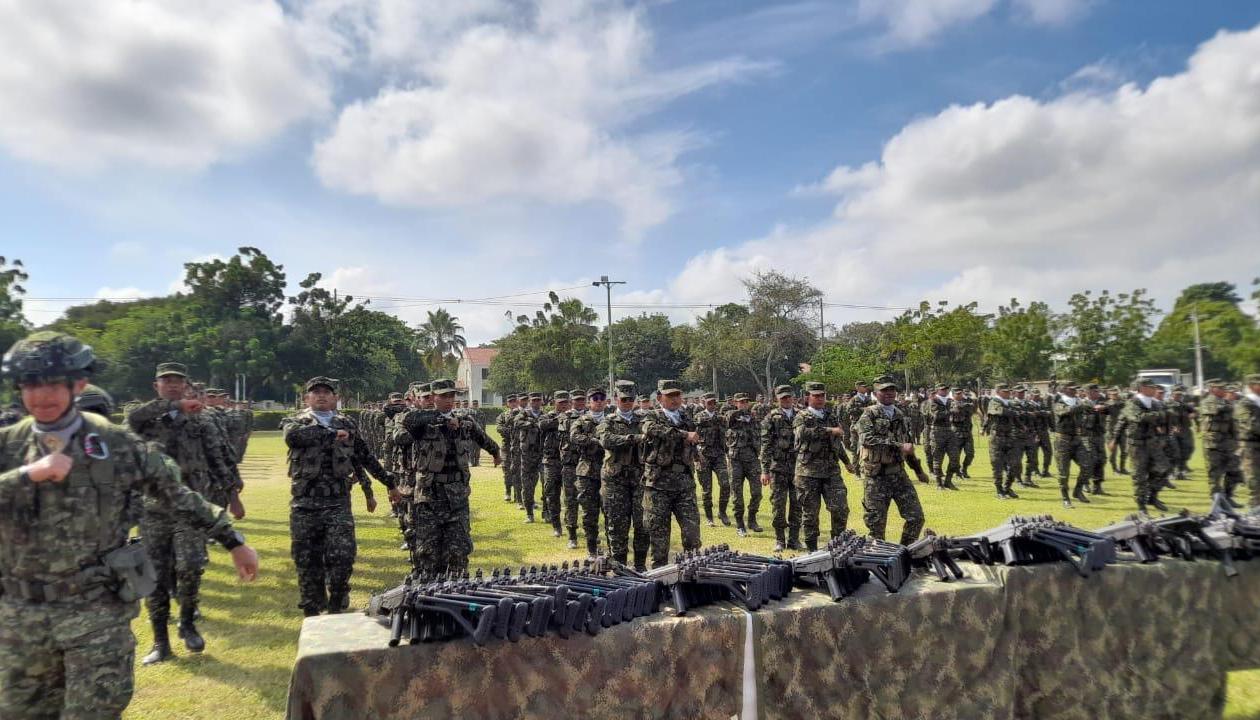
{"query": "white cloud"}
{"type": "Point", "coordinates": [503, 101]}
{"type": "Point", "coordinates": [910, 22]}
{"type": "Point", "coordinates": [163, 83]}
{"type": "Point", "coordinates": [1052, 12]}
{"type": "Point", "coordinates": [1150, 186]}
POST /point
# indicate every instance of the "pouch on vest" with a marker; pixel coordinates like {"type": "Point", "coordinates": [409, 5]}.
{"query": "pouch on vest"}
{"type": "Point", "coordinates": [133, 571]}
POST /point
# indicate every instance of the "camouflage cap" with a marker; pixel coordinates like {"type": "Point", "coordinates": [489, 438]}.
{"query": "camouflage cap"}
{"type": "Point", "coordinates": [424, 389]}
{"type": "Point", "coordinates": [885, 379]}
{"type": "Point", "coordinates": [171, 368]}
{"type": "Point", "coordinates": [815, 388]}
{"type": "Point", "coordinates": [1233, 387]}
{"type": "Point", "coordinates": [216, 391]}
{"type": "Point", "coordinates": [395, 396]}
{"type": "Point", "coordinates": [1093, 386]}
{"type": "Point", "coordinates": [509, 397]}
{"type": "Point", "coordinates": [885, 383]}
{"type": "Point", "coordinates": [861, 383]}
{"type": "Point", "coordinates": [739, 397]}
{"type": "Point", "coordinates": [1019, 388]}
{"type": "Point", "coordinates": [596, 392]}
{"type": "Point", "coordinates": [318, 380]}
{"type": "Point", "coordinates": [559, 395]}
{"type": "Point", "coordinates": [625, 392]}
{"type": "Point", "coordinates": [577, 392]}
{"type": "Point", "coordinates": [709, 396]}
{"type": "Point", "coordinates": [535, 396]}
{"type": "Point", "coordinates": [444, 386]}
{"type": "Point", "coordinates": [49, 354]}
{"type": "Point", "coordinates": [643, 399]}
{"type": "Point", "coordinates": [668, 387]}
{"type": "Point", "coordinates": [1001, 386]}
{"type": "Point", "coordinates": [942, 386]}
{"type": "Point", "coordinates": [782, 391]}
{"type": "Point", "coordinates": [1067, 385]}
{"type": "Point", "coordinates": [1179, 388]}
{"type": "Point", "coordinates": [95, 399]}
{"type": "Point", "coordinates": [1147, 382]}
{"type": "Point", "coordinates": [1252, 379]}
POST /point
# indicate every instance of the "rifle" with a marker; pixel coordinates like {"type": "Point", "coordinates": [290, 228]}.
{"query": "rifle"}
{"type": "Point", "coordinates": [849, 560]}
{"type": "Point", "coordinates": [718, 573]}
{"type": "Point", "coordinates": [933, 551]}
{"type": "Point", "coordinates": [1040, 539]}
{"type": "Point", "coordinates": [1182, 535]}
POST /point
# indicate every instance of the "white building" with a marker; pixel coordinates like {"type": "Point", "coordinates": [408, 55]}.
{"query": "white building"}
{"type": "Point", "coordinates": [473, 372]}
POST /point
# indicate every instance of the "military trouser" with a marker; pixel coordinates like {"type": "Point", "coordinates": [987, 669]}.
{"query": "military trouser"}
{"type": "Point", "coordinates": [1045, 449]}
{"type": "Point", "coordinates": [811, 493]}
{"type": "Point", "coordinates": [1070, 449]}
{"type": "Point", "coordinates": [178, 552]}
{"type": "Point", "coordinates": [675, 497]}
{"type": "Point", "coordinates": [883, 485]}
{"type": "Point", "coordinates": [1186, 441]}
{"type": "Point", "coordinates": [1120, 454]}
{"type": "Point", "coordinates": [588, 500]}
{"type": "Point", "coordinates": [1004, 455]}
{"type": "Point", "coordinates": [568, 478]}
{"type": "Point", "coordinates": [551, 493]}
{"type": "Point", "coordinates": [742, 471]}
{"type": "Point", "coordinates": [944, 445]}
{"type": "Point", "coordinates": [1223, 469]}
{"type": "Point", "coordinates": [1029, 450]}
{"type": "Point", "coordinates": [530, 469]}
{"type": "Point", "coordinates": [1149, 467]}
{"type": "Point", "coordinates": [323, 549]}
{"type": "Point", "coordinates": [967, 444]}
{"type": "Point", "coordinates": [786, 507]}
{"type": "Point", "coordinates": [706, 469]}
{"type": "Point", "coordinates": [511, 488]}
{"type": "Point", "coordinates": [442, 524]}
{"type": "Point", "coordinates": [622, 499]}
{"type": "Point", "coordinates": [70, 660]}
{"type": "Point", "coordinates": [1249, 461]}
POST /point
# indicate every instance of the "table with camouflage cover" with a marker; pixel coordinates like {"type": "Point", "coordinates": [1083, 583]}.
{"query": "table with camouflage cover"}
{"type": "Point", "coordinates": [1132, 641]}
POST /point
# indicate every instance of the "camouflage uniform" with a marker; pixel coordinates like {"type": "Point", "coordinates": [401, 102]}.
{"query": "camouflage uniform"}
{"type": "Point", "coordinates": [944, 441]}
{"type": "Point", "coordinates": [1005, 443]}
{"type": "Point", "coordinates": [621, 485]}
{"type": "Point", "coordinates": [881, 432]}
{"type": "Point", "coordinates": [321, 524]}
{"type": "Point", "coordinates": [741, 461]}
{"type": "Point", "coordinates": [711, 461]}
{"type": "Point", "coordinates": [1094, 427]}
{"type": "Point", "coordinates": [1140, 426]}
{"type": "Point", "coordinates": [1070, 445]}
{"type": "Point", "coordinates": [1220, 444]}
{"type": "Point", "coordinates": [441, 519]}
{"type": "Point", "coordinates": [568, 471]}
{"type": "Point", "coordinates": [511, 468]}
{"type": "Point", "coordinates": [1026, 419]}
{"type": "Point", "coordinates": [240, 422]}
{"type": "Point", "coordinates": [584, 436]}
{"type": "Point", "coordinates": [850, 411]}
{"type": "Point", "coordinates": [1182, 436]}
{"type": "Point", "coordinates": [527, 440]}
{"type": "Point", "coordinates": [669, 488]}
{"type": "Point", "coordinates": [1247, 420]}
{"type": "Point", "coordinates": [549, 426]}
{"type": "Point", "coordinates": [223, 491]}
{"type": "Point", "coordinates": [177, 549]}
{"type": "Point", "coordinates": [1118, 456]}
{"type": "Point", "coordinates": [396, 448]}
{"type": "Point", "coordinates": [960, 414]}
{"type": "Point", "coordinates": [817, 473]}
{"type": "Point", "coordinates": [1043, 424]}
{"type": "Point", "coordinates": [778, 460]}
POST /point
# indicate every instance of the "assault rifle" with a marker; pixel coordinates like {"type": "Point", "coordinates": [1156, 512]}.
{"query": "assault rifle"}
{"type": "Point", "coordinates": [1182, 535]}
{"type": "Point", "coordinates": [1238, 532]}
{"type": "Point", "coordinates": [849, 560]}
{"type": "Point", "coordinates": [934, 552]}
{"type": "Point", "coordinates": [718, 573]}
{"type": "Point", "coordinates": [1040, 539]}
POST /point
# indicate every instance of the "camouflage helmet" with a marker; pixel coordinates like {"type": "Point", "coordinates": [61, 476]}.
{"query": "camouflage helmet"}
{"type": "Point", "coordinates": [46, 355]}
{"type": "Point", "coordinates": [95, 399]}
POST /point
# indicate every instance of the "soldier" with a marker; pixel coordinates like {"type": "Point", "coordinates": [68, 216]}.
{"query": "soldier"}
{"type": "Point", "coordinates": [925, 409]}
{"type": "Point", "coordinates": [584, 436]}
{"type": "Point", "coordinates": [819, 452]}
{"type": "Point", "coordinates": [884, 441]}
{"type": "Point", "coordinates": [711, 459]}
{"type": "Point", "coordinates": [621, 479]}
{"type": "Point", "coordinates": [178, 550]}
{"type": "Point", "coordinates": [944, 442]}
{"type": "Point", "coordinates": [1118, 455]}
{"type": "Point", "coordinates": [569, 462]}
{"type": "Point", "coordinates": [549, 425]}
{"type": "Point", "coordinates": [1043, 424]}
{"type": "Point", "coordinates": [95, 399]}
{"type": "Point", "coordinates": [1220, 441]}
{"type": "Point", "coordinates": [325, 448]}
{"type": "Point", "coordinates": [1247, 419]}
{"type": "Point", "coordinates": [70, 579]}
{"type": "Point", "coordinates": [778, 465]}
{"type": "Point", "coordinates": [511, 481]}
{"type": "Point", "coordinates": [527, 436]}
{"type": "Point", "coordinates": [912, 406]}
{"type": "Point", "coordinates": [396, 448]}
{"type": "Point", "coordinates": [645, 405]}
{"type": "Point", "coordinates": [1181, 416]}
{"type": "Point", "coordinates": [1070, 420]}
{"type": "Point", "coordinates": [669, 488]}
{"type": "Point", "coordinates": [1005, 441]}
{"type": "Point", "coordinates": [227, 494]}
{"type": "Point", "coordinates": [851, 410]}
{"type": "Point", "coordinates": [442, 444]}
{"type": "Point", "coordinates": [1026, 422]}
{"type": "Point", "coordinates": [1138, 423]}
{"type": "Point", "coordinates": [240, 425]}
{"type": "Point", "coordinates": [1095, 437]}
{"type": "Point", "coordinates": [962, 410]}
{"type": "Point", "coordinates": [741, 435]}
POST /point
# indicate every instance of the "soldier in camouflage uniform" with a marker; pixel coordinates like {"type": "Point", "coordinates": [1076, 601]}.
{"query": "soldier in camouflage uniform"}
{"type": "Point", "coordinates": [884, 442]}
{"type": "Point", "coordinates": [1095, 436]}
{"type": "Point", "coordinates": [1072, 416]}
{"type": "Point", "coordinates": [669, 487]}
{"type": "Point", "coordinates": [778, 466]}
{"type": "Point", "coordinates": [1181, 415]}
{"type": "Point", "coordinates": [1140, 423]}
{"type": "Point", "coordinates": [549, 426]}
{"type": "Point", "coordinates": [527, 439]}
{"type": "Point", "coordinates": [912, 406]}
{"type": "Point", "coordinates": [1220, 441]}
{"type": "Point", "coordinates": [442, 444]}
{"type": "Point", "coordinates": [1247, 420]}
{"type": "Point", "coordinates": [819, 453]}
{"type": "Point", "coordinates": [851, 409]}
{"type": "Point", "coordinates": [569, 462]}
{"type": "Point", "coordinates": [228, 495]}
{"type": "Point", "coordinates": [711, 459]}
{"type": "Point", "coordinates": [944, 442]}
{"type": "Point", "coordinates": [1117, 455]}
{"type": "Point", "coordinates": [1043, 424]}
{"type": "Point", "coordinates": [741, 435]}
{"type": "Point", "coordinates": [962, 410]}
{"type": "Point", "coordinates": [1005, 441]}
{"type": "Point", "coordinates": [584, 436]}
{"type": "Point", "coordinates": [70, 487]}
{"type": "Point", "coordinates": [621, 479]}
{"type": "Point", "coordinates": [511, 480]}
{"type": "Point", "coordinates": [1026, 422]}
{"type": "Point", "coordinates": [178, 550]}
{"type": "Point", "coordinates": [325, 448]}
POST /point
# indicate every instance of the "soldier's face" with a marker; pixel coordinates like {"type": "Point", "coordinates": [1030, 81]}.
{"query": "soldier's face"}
{"type": "Point", "coordinates": [596, 403]}
{"type": "Point", "coordinates": [513, 403]}
{"type": "Point", "coordinates": [321, 398]}
{"type": "Point", "coordinates": [562, 405]}
{"type": "Point", "coordinates": [443, 402]}
{"type": "Point", "coordinates": [1254, 388]}
{"type": "Point", "coordinates": [171, 387]}
{"type": "Point", "coordinates": [710, 405]}
{"type": "Point", "coordinates": [625, 404]}
{"type": "Point", "coordinates": [673, 401]}
{"type": "Point", "coordinates": [535, 404]}
{"type": "Point", "coordinates": [818, 400]}
{"type": "Point", "coordinates": [787, 401]}
{"type": "Point", "coordinates": [579, 404]}
{"type": "Point", "coordinates": [862, 390]}
{"type": "Point", "coordinates": [741, 404]}
{"type": "Point", "coordinates": [888, 396]}
{"type": "Point", "coordinates": [47, 402]}
{"type": "Point", "coordinates": [1094, 394]}
{"type": "Point", "coordinates": [1004, 394]}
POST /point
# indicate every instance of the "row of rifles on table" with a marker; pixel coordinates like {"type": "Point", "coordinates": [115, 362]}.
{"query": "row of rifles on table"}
{"type": "Point", "coordinates": [588, 596]}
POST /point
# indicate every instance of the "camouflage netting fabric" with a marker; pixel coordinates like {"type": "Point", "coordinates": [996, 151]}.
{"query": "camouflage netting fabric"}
{"type": "Point", "coordinates": [1133, 641]}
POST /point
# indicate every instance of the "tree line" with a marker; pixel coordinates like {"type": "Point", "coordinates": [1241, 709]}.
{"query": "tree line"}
{"type": "Point", "coordinates": [235, 318]}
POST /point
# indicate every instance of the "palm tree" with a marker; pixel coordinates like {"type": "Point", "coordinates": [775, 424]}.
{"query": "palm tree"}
{"type": "Point", "coordinates": [441, 343]}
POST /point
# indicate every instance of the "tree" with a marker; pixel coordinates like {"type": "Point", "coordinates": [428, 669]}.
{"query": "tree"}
{"type": "Point", "coordinates": [840, 366]}
{"type": "Point", "coordinates": [933, 344]}
{"type": "Point", "coordinates": [441, 343]}
{"type": "Point", "coordinates": [13, 325]}
{"type": "Point", "coordinates": [782, 317]}
{"type": "Point", "coordinates": [1020, 344]}
{"type": "Point", "coordinates": [557, 348]}
{"type": "Point", "coordinates": [722, 357]}
{"type": "Point", "coordinates": [1231, 341]}
{"type": "Point", "coordinates": [249, 284]}
{"type": "Point", "coordinates": [644, 350]}
{"type": "Point", "coordinates": [1104, 335]}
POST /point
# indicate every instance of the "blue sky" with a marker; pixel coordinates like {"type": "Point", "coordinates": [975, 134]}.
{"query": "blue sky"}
{"type": "Point", "coordinates": [890, 151]}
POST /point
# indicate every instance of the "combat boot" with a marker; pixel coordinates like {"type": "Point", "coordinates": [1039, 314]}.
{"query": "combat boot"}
{"type": "Point", "coordinates": [338, 603]}
{"type": "Point", "coordinates": [592, 547]}
{"type": "Point", "coordinates": [739, 529]}
{"type": "Point", "coordinates": [949, 482]}
{"type": "Point", "coordinates": [188, 630]}
{"type": "Point", "coordinates": [708, 513]}
{"type": "Point", "coordinates": [811, 545]}
{"type": "Point", "coordinates": [1010, 493]}
{"type": "Point", "coordinates": [752, 524]}
{"type": "Point", "coordinates": [161, 650]}
{"type": "Point", "coordinates": [1097, 489]}
{"type": "Point", "coordinates": [722, 517]}
{"type": "Point", "coordinates": [778, 541]}
{"type": "Point", "coordinates": [1079, 493]}
{"type": "Point", "coordinates": [1156, 503]}
{"type": "Point", "coordinates": [529, 515]}
{"type": "Point", "coordinates": [794, 540]}
{"type": "Point", "coordinates": [1067, 503]}
{"type": "Point", "coordinates": [507, 497]}
{"type": "Point", "coordinates": [962, 473]}
{"type": "Point", "coordinates": [573, 539]}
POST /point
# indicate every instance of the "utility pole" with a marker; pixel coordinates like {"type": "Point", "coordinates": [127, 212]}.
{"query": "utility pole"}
{"type": "Point", "coordinates": [603, 280]}
{"type": "Point", "coordinates": [1198, 349]}
{"type": "Point", "coordinates": [822, 332]}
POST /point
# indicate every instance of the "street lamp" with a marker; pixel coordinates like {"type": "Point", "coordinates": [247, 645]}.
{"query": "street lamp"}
{"type": "Point", "coordinates": [603, 280]}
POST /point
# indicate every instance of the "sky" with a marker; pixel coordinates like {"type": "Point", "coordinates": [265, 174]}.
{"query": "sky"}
{"type": "Point", "coordinates": [421, 153]}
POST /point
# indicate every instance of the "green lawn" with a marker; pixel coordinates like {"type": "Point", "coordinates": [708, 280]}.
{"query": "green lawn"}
{"type": "Point", "coordinates": [251, 630]}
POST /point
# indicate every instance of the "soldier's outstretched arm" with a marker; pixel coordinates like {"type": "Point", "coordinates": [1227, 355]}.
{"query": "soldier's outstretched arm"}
{"type": "Point", "coordinates": [484, 441]}
{"type": "Point", "coordinates": [364, 459]}
{"type": "Point", "coordinates": [141, 416]}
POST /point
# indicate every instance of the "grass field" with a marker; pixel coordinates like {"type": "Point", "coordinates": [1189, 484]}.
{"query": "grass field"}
{"type": "Point", "coordinates": [251, 630]}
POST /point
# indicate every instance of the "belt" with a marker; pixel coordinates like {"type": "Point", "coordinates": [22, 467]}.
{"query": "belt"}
{"type": "Point", "coordinates": [91, 580]}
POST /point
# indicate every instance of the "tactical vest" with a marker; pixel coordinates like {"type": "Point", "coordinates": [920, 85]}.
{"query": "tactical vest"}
{"type": "Point", "coordinates": [781, 442]}
{"type": "Point", "coordinates": [618, 460]}
{"type": "Point", "coordinates": [741, 436]}
{"type": "Point", "coordinates": [584, 435]}
{"type": "Point", "coordinates": [549, 426]}
{"type": "Point", "coordinates": [1218, 423]}
{"type": "Point", "coordinates": [817, 452]}
{"type": "Point", "coordinates": [323, 470]}
{"type": "Point", "coordinates": [709, 427]}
